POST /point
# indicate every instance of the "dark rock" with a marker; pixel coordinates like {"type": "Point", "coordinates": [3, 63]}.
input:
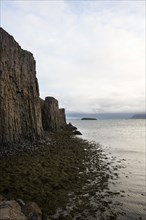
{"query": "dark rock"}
{"type": "Point", "coordinates": [2, 198]}
{"type": "Point", "coordinates": [77, 133]}
{"type": "Point", "coordinates": [21, 202]}
{"type": "Point", "coordinates": [71, 127]}
{"type": "Point", "coordinates": [32, 211]}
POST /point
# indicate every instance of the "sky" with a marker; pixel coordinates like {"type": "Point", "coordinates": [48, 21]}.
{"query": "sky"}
{"type": "Point", "coordinates": [90, 55]}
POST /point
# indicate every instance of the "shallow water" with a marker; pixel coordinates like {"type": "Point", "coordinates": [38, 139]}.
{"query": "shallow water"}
{"type": "Point", "coordinates": [123, 140]}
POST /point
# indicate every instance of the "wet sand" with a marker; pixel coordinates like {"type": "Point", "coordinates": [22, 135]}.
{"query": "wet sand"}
{"type": "Point", "coordinates": [66, 176]}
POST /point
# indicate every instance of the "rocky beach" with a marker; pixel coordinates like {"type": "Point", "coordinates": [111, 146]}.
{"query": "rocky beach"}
{"type": "Point", "coordinates": [65, 176]}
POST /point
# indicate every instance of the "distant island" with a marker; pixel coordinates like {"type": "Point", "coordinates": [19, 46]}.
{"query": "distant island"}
{"type": "Point", "coordinates": [88, 118]}
{"type": "Point", "coordinates": [139, 116]}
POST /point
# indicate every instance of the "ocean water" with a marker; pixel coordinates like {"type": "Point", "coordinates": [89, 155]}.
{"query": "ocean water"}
{"type": "Point", "coordinates": [125, 141]}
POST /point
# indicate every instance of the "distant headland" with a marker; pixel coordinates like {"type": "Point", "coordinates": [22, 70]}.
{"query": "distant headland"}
{"type": "Point", "coordinates": [139, 116]}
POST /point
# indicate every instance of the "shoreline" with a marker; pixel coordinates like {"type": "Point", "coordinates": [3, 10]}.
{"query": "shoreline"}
{"type": "Point", "coordinates": [60, 173]}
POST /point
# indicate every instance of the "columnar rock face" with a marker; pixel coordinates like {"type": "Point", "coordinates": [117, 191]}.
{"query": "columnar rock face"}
{"type": "Point", "coordinates": [62, 118]}
{"type": "Point", "coordinates": [53, 118]}
{"type": "Point", "coordinates": [23, 115]}
{"type": "Point", "coordinates": [20, 107]}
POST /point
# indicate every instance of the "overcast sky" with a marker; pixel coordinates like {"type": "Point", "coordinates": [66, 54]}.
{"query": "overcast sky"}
{"type": "Point", "coordinates": [90, 55]}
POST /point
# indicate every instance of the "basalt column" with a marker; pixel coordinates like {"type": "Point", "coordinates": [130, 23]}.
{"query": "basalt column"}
{"type": "Point", "coordinates": [20, 109]}
{"type": "Point", "coordinates": [62, 118]}
{"type": "Point", "coordinates": [53, 118]}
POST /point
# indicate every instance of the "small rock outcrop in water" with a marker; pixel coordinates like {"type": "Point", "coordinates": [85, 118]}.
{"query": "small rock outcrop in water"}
{"type": "Point", "coordinates": [88, 118]}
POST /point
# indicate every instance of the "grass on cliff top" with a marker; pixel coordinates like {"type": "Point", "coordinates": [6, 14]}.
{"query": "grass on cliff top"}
{"type": "Point", "coordinates": [45, 175]}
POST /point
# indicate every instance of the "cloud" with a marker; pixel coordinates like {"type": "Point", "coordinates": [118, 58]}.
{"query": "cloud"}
{"type": "Point", "coordinates": [90, 54]}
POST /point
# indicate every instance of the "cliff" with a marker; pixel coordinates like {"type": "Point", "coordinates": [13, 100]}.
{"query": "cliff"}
{"type": "Point", "coordinates": [20, 112]}
{"type": "Point", "coordinates": [22, 116]}
{"type": "Point", "coordinates": [53, 118]}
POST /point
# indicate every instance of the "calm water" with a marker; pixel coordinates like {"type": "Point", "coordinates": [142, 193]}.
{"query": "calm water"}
{"type": "Point", "coordinates": [124, 140]}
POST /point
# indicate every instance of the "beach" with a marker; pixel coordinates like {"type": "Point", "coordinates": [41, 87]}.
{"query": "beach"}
{"type": "Point", "coordinates": [67, 177]}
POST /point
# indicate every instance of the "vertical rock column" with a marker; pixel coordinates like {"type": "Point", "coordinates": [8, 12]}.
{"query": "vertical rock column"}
{"type": "Point", "coordinates": [50, 114]}
{"type": "Point", "coordinates": [20, 109]}
{"type": "Point", "coordinates": [53, 118]}
{"type": "Point", "coordinates": [62, 118]}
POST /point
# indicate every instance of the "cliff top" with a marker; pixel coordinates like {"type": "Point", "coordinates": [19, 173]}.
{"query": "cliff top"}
{"type": "Point", "coordinates": [4, 35]}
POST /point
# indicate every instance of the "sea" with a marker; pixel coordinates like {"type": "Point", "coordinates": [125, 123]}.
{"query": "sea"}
{"type": "Point", "coordinates": [125, 142]}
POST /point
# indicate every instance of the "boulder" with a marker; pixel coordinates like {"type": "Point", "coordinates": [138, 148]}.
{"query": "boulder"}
{"type": "Point", "coordinates": [11, 210]}
{"type": "Point", "coordinates": [32, 211]}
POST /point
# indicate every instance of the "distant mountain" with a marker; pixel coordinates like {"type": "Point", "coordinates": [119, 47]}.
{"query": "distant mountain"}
{"type": "Point", "coordinates": [139, 116]}
{"type": "Point", "coordinates": [100, 116]}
